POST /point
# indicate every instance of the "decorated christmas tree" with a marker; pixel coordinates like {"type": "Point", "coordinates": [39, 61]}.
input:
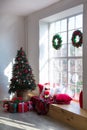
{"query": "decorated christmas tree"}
{"type": "Point", "coordinates": [22, 77]}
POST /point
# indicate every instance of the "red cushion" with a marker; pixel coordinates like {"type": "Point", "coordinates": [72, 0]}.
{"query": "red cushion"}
{"type": "Point", "coordinates": [81, 99]}
{"type": "Point", "coordinates": [62, 98]}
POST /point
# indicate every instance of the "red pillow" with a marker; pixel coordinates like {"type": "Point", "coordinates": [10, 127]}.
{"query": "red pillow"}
{"type": "Point", "coordinates": [62, 99]}
{"type": "Point", "coordinates": [81, 99]}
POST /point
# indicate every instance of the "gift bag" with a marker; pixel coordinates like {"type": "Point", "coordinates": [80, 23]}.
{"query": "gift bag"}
{"type": "Point", "coordinates": [42, 107]}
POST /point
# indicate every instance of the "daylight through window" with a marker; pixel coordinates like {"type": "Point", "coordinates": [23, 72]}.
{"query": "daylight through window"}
{"type": "Point", "coordinates": [65, 65]}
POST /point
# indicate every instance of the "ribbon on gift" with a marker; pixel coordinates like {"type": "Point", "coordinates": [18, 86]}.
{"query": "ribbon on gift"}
{"type": "Point", "coordinates": [30, 105]}
{"type": "Point", "coordinates": [15, 107]}
{"type": "Point", "coordinates": [23, 106]}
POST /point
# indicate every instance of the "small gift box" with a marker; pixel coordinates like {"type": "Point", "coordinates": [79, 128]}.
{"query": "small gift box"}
{"type": "Point", "coordinates": [6, 105]}
{"type": "Point", "coordinates": [17, 99]}
{"type": "Point", "coordinates": [22, 107]}
{"type": "Point", "coordinates": [5, 102]}
{"type": "Point", "coordinates": [13, 107]}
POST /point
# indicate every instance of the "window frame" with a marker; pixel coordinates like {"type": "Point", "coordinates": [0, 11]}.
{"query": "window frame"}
{"type": "Point", "coordinates": [67, 43]}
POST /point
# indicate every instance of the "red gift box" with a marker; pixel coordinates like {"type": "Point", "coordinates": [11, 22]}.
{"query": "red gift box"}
{"type": "Point", "coordinates": [22, 107]}
{"type": "Point", "coordinates": [6, 105]}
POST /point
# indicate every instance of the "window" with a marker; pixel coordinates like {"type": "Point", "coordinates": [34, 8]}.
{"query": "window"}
{"type": "Point", "coordinates": [65, 65]}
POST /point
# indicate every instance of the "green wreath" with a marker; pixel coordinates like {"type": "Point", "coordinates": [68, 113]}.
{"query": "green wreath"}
{"type": "Point", "coordinates": [56, 41]}
{"type": "Point", "coordinates": [76, 43]}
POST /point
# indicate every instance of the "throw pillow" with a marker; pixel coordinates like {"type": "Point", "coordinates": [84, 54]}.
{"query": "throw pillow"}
{"type": "Point", "coordinates": [62, 98]}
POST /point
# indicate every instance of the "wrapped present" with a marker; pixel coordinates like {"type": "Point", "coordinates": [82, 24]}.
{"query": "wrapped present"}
{"type": "Point", "coordinates": [42, 107]}
{"type": "Point", "coordinates": [22, 107]}
{"type": "Point", "coordinates": [6, 105]}
{"type": "Point", "coordinates": [13, 107]}
{"type": "Point", "coordinates": [5, 102]}
{"type": "Point", "coordinates": [17, 99]}
{"type": "Point", "coordinates": [30, 105]}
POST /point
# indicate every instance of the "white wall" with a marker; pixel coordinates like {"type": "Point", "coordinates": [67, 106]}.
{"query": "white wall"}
{"type": "Point", "coordinates": [43, 52]}
{"type": "Point", "coordinates": [33, 35]}
{"type": "Point", "coordinates": [12, 37]}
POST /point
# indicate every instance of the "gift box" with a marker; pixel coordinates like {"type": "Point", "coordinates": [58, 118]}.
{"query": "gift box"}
{"type": "Point", "coordinates": [13, 107]}
{"type": "Point", "coordinates": [6, 105]}
{"type": "Point", "coordinates": [17, 99]}
{"type": "Point", "coordinates": [5, 102]}
{"type": "Point", "coordinates": [22, 107]}
{"type": "Point", "coordinates": [30, 105]}
{"type": "Point", "coordinates": [40, 105]}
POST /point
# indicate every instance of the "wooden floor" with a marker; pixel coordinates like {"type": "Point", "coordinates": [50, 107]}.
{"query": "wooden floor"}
{"type": "Point", "coordinates": [29, 121]}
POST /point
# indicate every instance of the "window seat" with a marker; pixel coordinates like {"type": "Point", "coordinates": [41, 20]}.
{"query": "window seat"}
{"type": "Point", "coordinates": [71, 114]}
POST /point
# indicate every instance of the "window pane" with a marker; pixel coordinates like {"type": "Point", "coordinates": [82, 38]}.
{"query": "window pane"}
{"type": "Point", "coordinates": [64, 37]}
{"type": "Point", "coordinates": [57, 26]}
{"type": "Point", "coordinates": [65, 64]}
{"type": "Point", "coordinates": [64, 79]}
{"type": "Point", "coordinates": [60, 52]}
{"type": "Point", "coordinates": [64, 50]}
{"type": "Point", "coordinates": [70, 36]}
{"type": "Point", "coordinates": [56, 53]}
{"type": "Point", "coordinates": [79, 82]}
{"type": "Point", "coordinates": [59, 68]}
{"type": "Point", "coordinates": [79, 67]}
{"type": "Point", "coordinates": [60, 65]}
{"type": "Point", "coordinates": [69, 78]}
{"type": "Point", "coordinates": [71, 50]}
{"type": "Point", "coordinates": [75, 65]}
{"type": "Point", "coordinates": [71, 23]}
{"type": "Point", "coordinates": [57, 78]}
{"type": "Point", "coordinates": [79, 21]}
{"type": "Point", "coordinates": [72, 89]}
{"type": "Point", "coordinates": [57, 65]}
{"type": "Point", "coordinates": [78, 51]}
{"type": "Point", "coordinates": [64, 25]}
{"type": "Point", "coordinates": [71, 65]}
{"type": "Point", "coordinates": [75, 78]}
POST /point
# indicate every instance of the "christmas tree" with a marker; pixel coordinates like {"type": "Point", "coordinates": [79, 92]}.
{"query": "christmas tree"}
{"type": "Point", "coordinates": [22, 77]}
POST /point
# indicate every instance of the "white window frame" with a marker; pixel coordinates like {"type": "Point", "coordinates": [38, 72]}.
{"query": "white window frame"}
{"type": "Point", "coordinates": [67, 57]}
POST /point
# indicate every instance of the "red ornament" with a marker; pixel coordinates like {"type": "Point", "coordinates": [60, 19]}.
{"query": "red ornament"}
{"type": "Point", "coordinates": [22, 53]}
{"type": "Point", "coordinates": [18, 58]}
